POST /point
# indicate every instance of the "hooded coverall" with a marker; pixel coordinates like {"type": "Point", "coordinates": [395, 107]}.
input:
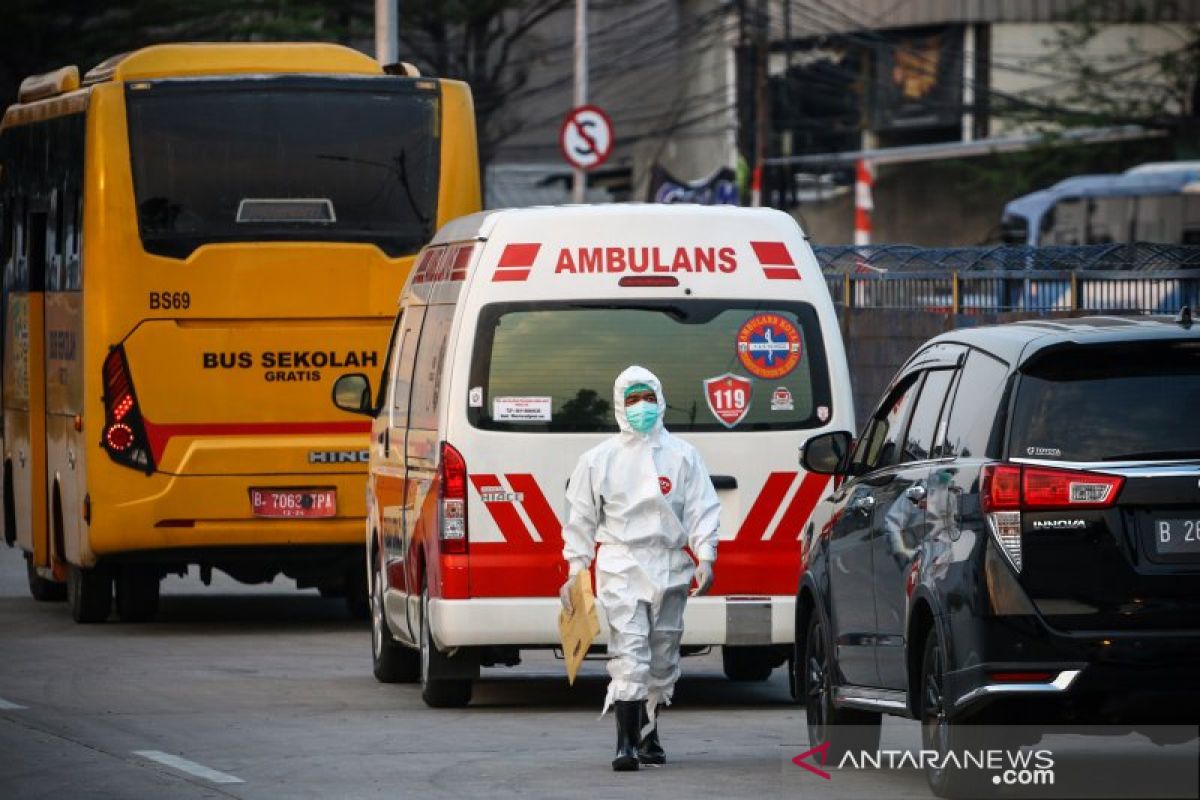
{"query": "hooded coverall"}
{"type": "Point", "coordinates": [642, 497]}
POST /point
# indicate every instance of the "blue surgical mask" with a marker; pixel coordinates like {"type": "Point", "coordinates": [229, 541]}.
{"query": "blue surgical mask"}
{"type": "Point", "coordinates": [642, 416]}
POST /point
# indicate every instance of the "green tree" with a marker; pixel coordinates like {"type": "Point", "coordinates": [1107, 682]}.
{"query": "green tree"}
{"type": "Point", "coordinates": [41, 35]}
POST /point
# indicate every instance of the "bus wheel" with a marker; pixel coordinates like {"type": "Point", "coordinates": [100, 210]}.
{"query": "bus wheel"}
{"type": "Point", "coordinates": [137, 594]}
{"type": "Point", "coordinates": [437, 691]}
{"type": "Point", "coordinates": [747, 663]}
{"type": "Point", "coordinates": [43, 589]}
{"type": "Point", "coordinates": [89, 593]}
{"type": "Point", "coordinates": [358, 599]}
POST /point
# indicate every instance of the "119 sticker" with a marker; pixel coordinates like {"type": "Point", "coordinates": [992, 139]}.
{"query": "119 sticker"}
{"type": "Point", "coordinates": [728, 398]}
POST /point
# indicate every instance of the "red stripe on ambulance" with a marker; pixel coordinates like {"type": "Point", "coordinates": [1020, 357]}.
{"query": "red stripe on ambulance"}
{"type": "Point", "coordinates": [515, 262]}
{"type": "Point", "coordinates": [502, 510]}
{"type": "Point", "coordinates": [765, 505]}
{"type": "Point", "coordinates": [776, 261]}
{"type": "Point", "coordinates": [800, 509]}
{"type": "Point", "coordinates": [537, 507]}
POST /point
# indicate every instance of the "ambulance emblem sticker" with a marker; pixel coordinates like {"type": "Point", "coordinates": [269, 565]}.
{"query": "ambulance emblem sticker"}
{"type": "Point", "coordinates": [768, 346]}
{"type": "Point", "coordinates": [728, 398]}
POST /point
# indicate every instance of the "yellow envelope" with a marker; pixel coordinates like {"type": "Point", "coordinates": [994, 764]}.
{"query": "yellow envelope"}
{"type": "Point", "coordinates": [579, 628]}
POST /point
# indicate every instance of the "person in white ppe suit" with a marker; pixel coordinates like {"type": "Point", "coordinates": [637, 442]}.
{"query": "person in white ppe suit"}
{"type": "Point", "coordinates": [642, 495]}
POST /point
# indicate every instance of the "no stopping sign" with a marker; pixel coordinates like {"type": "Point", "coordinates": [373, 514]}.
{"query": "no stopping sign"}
{"type": "Point", "coordinates": [586, 137]}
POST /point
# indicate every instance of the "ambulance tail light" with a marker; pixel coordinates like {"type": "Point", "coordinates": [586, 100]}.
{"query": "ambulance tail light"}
{"type": "Point", "coordinates": [124, 435]}
{"type": "Point", "coordinates": [453, 522]}
{"type": "Point", "coordinates": [1008, 489]}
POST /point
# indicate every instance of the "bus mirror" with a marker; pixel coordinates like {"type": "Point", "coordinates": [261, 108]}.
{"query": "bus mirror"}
{"type": "Point", "coordinates": [827, 454]}
{"type": "Point", "coordinates": [353, 393]}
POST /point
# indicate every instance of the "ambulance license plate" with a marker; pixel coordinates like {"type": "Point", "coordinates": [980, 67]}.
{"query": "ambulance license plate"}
{"type": "Point", "coordinates": [306, 503]}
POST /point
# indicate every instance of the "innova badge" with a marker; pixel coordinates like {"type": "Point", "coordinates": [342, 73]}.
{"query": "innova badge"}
{"type": "Point", "coordinates": [728, 398]}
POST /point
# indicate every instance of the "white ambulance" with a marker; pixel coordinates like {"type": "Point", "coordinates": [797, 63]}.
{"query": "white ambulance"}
{"type": "Point", "coordinates": [511, 330]}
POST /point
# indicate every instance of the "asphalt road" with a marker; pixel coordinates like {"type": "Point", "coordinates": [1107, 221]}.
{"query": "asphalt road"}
{"type": "Point", "coordinates": [266, 692]}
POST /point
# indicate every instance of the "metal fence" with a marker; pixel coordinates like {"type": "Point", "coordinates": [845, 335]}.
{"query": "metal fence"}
{"type": "Point", "coordinates": [1122, 279]}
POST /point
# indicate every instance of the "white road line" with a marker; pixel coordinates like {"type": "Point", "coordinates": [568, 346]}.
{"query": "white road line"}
{"type": "Point", "coordinates": [190, 767]}
{"type": "Point", "coordinates": [7, 706]}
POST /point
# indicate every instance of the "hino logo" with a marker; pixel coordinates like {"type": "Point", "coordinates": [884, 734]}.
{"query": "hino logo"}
{"type": "Point", "coordinates": [339, 456]}
{"type": "Point", "coordinates": [1060, 524]}
{"type": "Point", "coordinates": [501, 496]}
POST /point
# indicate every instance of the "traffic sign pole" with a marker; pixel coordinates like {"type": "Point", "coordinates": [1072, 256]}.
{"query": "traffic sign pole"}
{"type": "Point", "coordinates": [579, 185]}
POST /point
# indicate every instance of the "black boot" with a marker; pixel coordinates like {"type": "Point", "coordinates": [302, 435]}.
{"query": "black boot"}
{"type": "Point", "coordinates": [650, 750]}
{"type": "Point", "coordinates": [627, 715]}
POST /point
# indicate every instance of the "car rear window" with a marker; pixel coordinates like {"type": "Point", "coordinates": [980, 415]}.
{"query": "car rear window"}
{"type": "Point", "coordinates": [550, 367]}
{"type": "Point", "coordinates": [1111, 403]}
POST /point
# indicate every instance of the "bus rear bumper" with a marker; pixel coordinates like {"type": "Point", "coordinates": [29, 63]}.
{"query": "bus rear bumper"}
{"type": "Point", "coordinates": [214, 511]}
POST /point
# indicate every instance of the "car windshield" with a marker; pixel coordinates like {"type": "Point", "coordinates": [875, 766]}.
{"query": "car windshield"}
{"type": "Point", "coordinates": [289, 158]}
{"type": "Point", "coordinates": [1110, 403]}
{"type": "Point", "coordinates": [724, 365]}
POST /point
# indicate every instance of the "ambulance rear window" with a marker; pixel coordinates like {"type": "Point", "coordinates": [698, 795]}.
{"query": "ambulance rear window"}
{"type": "Point", "coordinates": [724, 364]}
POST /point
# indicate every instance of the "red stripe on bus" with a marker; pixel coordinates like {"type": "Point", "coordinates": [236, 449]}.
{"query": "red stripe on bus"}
{"type": "Point", "coordinates": [536, 506]}
{"type": "Point", "coordinates": [160, 434]}
{"type": "Point", "coordinates": [519, 255]}
{"type": "Point", "coordinates": [800, 509]}
{"type": "Point", "coordinates": [503, 512]}
{"type": "Point", "coordinates": [765, 506]}
{"type": "Point", "coordinates": [781, 274]}
{"type": "Point", "coordinates": [510, 275]}
{"type": "Point", "coordinates": [772, 254]}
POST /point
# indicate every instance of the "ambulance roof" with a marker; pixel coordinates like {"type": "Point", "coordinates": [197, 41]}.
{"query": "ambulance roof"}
{"type": "Point", "coordinates": [484, 224]}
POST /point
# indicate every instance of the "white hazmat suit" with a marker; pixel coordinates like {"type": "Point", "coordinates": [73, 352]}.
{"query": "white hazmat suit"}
{"type": "Point", "coordinates": [642, 498]}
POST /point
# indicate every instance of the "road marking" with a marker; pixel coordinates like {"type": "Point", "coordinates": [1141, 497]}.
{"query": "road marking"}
{"type": "Point", "coordinates": [190, 767]}
{"type": "Point", "coordinates": [7, 706]}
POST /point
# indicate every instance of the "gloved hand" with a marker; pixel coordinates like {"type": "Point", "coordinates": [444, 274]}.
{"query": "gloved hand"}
{"type": "Point", "coordinates": [564, 594]}
{"type": "Point", "coordinates": [704, 578]}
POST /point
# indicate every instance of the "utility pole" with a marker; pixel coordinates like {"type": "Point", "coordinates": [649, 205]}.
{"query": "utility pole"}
{"type": "Point", "coordinates": [387, 31]}
{"type": "Point", "coordinates": [579, 184]}
{"type": "Point", "coordinates": [762, 118]}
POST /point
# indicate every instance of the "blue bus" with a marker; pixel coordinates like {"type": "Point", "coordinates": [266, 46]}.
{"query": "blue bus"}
{"type": "Point", "coordinates": [1157, 203]}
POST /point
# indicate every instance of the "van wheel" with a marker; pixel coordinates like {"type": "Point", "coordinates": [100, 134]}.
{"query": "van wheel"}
{"type": "Point", "coordinates": [89, 593]}
{"type": "Point", "coordinates": [438, 692]}
{"type": "Point", "coordinates": [358, 594]}
{"type": "Point", "coordinates": [747, 663]}
{"type": "Point", "coordinates": [137, 594]}
{"type": "Point", "coordinates": [846, 729]}
{"type": "Point", "coordinates": [42, 589]}
{"type": "Point", "coordinates": [392, 661]}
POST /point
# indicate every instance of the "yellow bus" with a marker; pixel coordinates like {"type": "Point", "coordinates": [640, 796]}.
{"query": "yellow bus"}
{"type": "Point", "coordinates": [197, 240]}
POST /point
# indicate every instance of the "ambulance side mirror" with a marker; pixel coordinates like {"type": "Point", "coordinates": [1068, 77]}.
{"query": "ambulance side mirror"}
{"type": "Point", "coordinates": [827, 454]}
{"type": "Point", "coordinates": [353, 393]}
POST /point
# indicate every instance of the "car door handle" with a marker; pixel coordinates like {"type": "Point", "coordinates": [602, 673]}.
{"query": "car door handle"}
{"type": "Point", "coordinates": [864, 504]}
{"type": "Point", "coordinates": [916, 493]}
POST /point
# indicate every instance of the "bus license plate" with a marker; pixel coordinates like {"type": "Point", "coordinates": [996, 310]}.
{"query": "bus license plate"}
{"type": "Point", "coordinates": [307, 503]}
{"type": "Point", "coordinates": [1177, 537]}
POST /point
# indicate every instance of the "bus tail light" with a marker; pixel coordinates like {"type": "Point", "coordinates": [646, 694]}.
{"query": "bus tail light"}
{"type": "Point", "coordinates": [124, 437]}
{"type": "Point", "coordinates": [453, 520]}
{"type": "Point", "coordinates": [1008, 489]}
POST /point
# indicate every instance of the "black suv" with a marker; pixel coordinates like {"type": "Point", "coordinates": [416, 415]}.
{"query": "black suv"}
{"type": "Point", "coordinates": [1015, 537]}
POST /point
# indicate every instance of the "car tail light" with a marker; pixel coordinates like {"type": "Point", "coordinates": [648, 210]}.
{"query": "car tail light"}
{"type": "Point", "coordinates": [1008, 489]}
{"type": "Point", "coordinates": [1001, 487]}
{"type": "Point", "coordinates": [124, 436]}
{"type": "Point", "coordinates": [1057, 488]}
{"type": "Point", "coordinates": [453, 476]}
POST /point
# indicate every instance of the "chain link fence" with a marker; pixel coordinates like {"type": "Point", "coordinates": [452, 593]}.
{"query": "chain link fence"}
{"type": "Point", "coordinates": [1097, 279]}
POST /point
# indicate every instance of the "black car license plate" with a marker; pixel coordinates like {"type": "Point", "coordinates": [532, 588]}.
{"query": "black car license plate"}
{"type": "Point", "coordinates": [1174, 537]}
